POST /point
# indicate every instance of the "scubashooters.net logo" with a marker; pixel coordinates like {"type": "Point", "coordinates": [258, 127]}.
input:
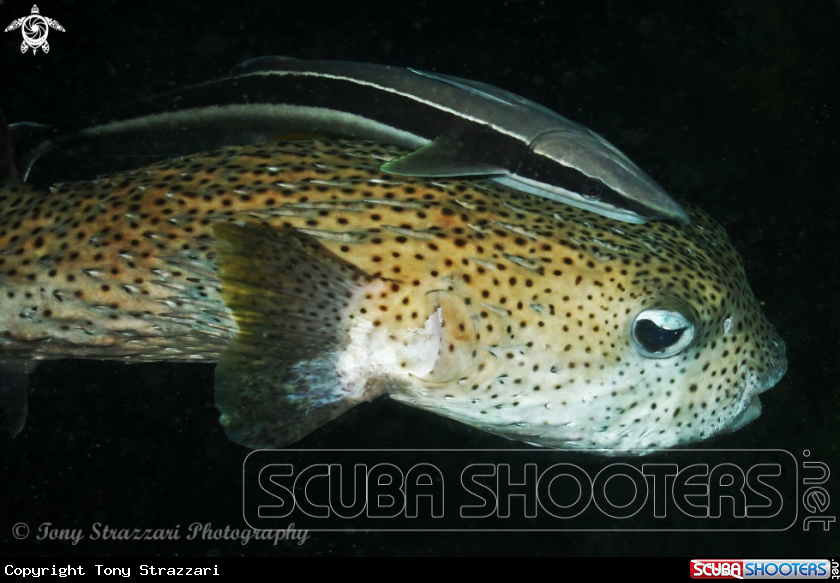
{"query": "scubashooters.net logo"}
{"type": "Point", "coordinates": [797, 569]}
{"type": "Point", "coordinates": [674, 490]}
{"type": "Point", "coordinates": [35, 29]}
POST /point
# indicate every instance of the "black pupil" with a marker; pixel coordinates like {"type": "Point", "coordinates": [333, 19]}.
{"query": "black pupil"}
{"type": "Point", "coordinates": [656, 339]}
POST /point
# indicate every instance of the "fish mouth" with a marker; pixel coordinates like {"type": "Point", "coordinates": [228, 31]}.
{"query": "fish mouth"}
{"type": "Point", "coordinates": [777, 367]}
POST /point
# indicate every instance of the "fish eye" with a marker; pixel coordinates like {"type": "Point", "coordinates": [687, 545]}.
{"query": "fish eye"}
{"type": "Point", "coordinates": [593, 189]}
{"type": "Point", "coordinates": [661, 333]}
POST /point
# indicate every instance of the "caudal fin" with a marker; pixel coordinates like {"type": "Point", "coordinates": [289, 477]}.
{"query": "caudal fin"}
{"type": "Point", "coordinates": [277, 380]}
{"type": "Point", "coordinates": [14, 401]}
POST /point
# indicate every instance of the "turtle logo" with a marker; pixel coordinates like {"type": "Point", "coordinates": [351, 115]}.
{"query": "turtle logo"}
{"type": "Point", "coordinates": [35, 29]}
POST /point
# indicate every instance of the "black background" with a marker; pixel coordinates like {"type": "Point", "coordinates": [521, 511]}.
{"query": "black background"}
{"type": "Point", "coordinates": [729, 105]}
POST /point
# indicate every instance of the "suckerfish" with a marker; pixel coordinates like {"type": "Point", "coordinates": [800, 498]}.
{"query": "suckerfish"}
{"type": "Point", "coordinates": [317, 281]}
{"type": "Point", "coordinates": [456, 127]}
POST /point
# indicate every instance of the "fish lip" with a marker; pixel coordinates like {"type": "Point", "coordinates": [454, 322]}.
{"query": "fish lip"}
{"type": "Point", "coordinates": [775, 372]}
{"type": "Point", "coordinates": [773, 378]}
{"type": "Point", "coordinates": [747, 415]}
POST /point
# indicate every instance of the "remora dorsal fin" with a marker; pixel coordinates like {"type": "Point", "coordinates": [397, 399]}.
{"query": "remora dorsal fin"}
{"type": "Point", "coordinates": [277, 380]}
{"type": "Point", "coordinates": [458, 153]}
{"type": "Point", "coordinates": [14, 401]}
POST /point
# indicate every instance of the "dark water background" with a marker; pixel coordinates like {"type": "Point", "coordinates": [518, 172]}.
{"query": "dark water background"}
{"type": "Point", "coordinates": [729, 105]}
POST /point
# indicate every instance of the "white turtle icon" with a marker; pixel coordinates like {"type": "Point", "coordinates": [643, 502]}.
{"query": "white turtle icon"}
{"type": "Point", "coordinates": [35, 29]}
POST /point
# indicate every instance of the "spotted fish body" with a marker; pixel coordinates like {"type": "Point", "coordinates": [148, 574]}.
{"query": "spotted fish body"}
{"type": "Point", "coordinates": [318, 282]}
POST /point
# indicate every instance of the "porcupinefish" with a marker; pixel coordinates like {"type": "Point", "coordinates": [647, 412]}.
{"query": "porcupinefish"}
{"type": "Point", "coordinates": [456, 127]}
{"type": "Point", "coordinates": [317, 281]}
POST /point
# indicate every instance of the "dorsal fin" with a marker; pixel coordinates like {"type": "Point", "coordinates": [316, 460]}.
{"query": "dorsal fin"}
{"type": "Point", "coordinates": [7, 158]}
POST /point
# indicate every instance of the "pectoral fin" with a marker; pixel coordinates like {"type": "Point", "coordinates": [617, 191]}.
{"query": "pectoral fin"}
{"type": "Point", "coordinates": [459, 153]}
{"type": "Point", "coordinates": [277, 380]}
